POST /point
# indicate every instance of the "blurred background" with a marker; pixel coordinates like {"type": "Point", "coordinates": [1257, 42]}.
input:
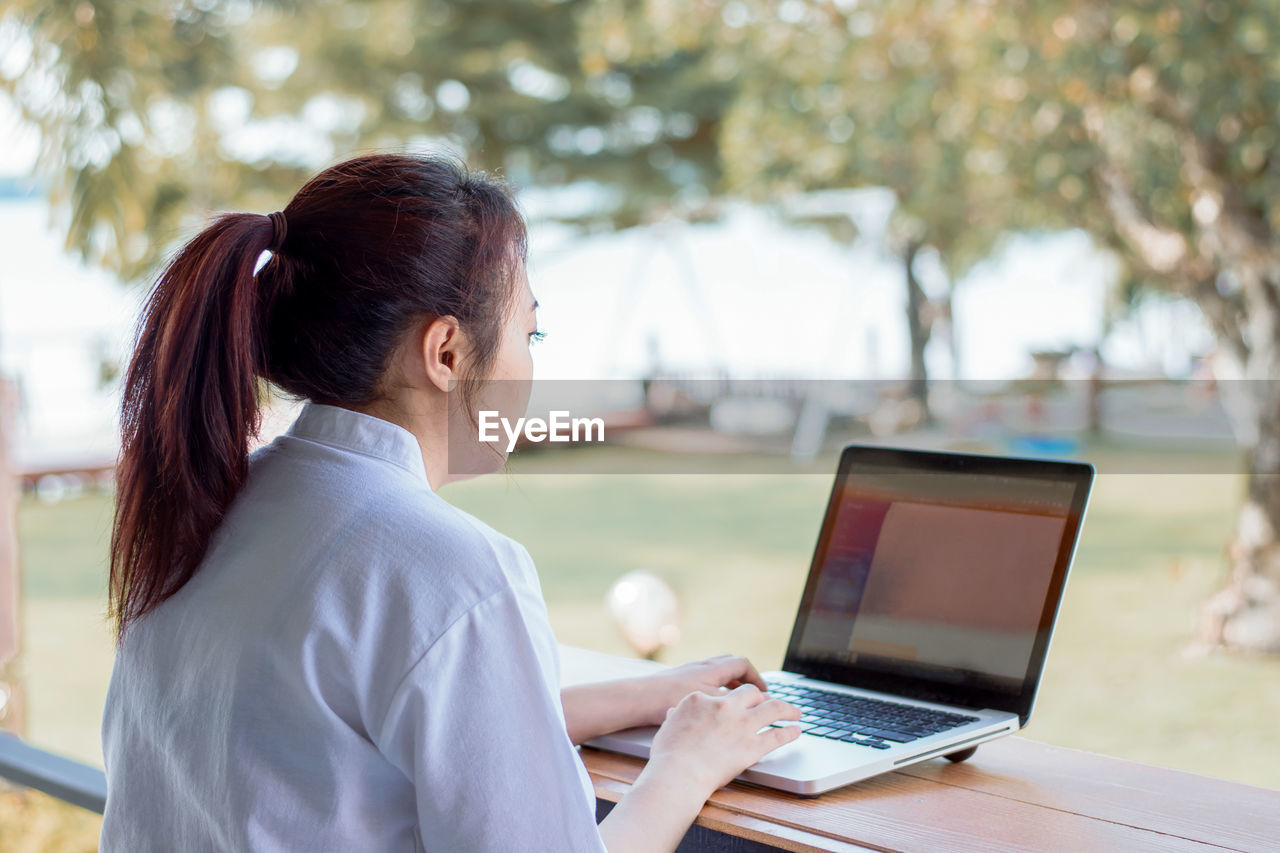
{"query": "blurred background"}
{"type": "Point", "coordinates": [1043, 227]}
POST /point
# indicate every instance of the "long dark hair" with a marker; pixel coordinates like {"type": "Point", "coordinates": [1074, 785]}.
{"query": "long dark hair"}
{"type": "Point", "coordinates": [367, 251]}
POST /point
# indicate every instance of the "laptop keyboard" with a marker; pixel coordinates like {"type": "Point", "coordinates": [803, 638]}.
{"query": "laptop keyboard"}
{"type": "Point", "coordinates": [863, 721]}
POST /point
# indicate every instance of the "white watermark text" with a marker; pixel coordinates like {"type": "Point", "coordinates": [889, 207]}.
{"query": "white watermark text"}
{"type": "Point", "coordinates": [558, 427]}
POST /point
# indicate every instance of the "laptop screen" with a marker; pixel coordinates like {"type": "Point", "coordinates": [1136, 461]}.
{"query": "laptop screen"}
{"type": "Point", "coordinates": [939, 570]}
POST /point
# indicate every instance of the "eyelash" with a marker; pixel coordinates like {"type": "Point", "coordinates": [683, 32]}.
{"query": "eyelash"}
{"type": "Point", "coordinates": [536, 336]}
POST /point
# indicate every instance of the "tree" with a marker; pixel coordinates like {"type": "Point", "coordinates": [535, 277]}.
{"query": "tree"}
{"type": "Point", "coordinates": [154, 113]}
{"type": "Point", "coordinates": [120, 93]}
{"type": "Point", "coordinates": [1160, 119]}
{"type": "Point", "coordinates": [875, 95]}
{"type": "Point", "coordinates": [1150, 125]}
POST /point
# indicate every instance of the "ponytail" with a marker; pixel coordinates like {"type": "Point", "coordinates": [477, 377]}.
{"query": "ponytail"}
{"type": "Point", "coordinates": [190, 409]}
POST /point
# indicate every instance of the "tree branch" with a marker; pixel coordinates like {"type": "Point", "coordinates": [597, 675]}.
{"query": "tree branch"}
{"type": "Point", "coordinates": [1164, 253]}
{"type": "Point", "coordinates": [1238, 234]}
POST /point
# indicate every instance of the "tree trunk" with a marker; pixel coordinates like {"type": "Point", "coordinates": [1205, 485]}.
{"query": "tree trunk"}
{"type": "Point", "coordinates": [1238, 238]}
{"type": "Point", "coordinates": [918, 329]}
{"type": "Point", "coordinates": [1245, 614]}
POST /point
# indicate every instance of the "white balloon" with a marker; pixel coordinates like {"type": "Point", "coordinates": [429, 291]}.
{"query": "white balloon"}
{"type": "Point", "coordinates": [645, 609]}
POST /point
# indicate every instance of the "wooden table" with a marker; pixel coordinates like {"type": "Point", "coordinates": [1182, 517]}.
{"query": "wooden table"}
{"type": "Point", "coordinates": [1013, 795]}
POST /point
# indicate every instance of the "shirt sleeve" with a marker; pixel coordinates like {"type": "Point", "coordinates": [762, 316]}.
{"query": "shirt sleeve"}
{"type": "Point", "coordinates": [477, 728]}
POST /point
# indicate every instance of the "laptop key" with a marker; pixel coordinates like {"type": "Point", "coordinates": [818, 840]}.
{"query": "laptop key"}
{"type": "Point", "coordinates": [791, 724]}
{"type": "Point", "coordinates": [898, 737]}
{"type": "Point", "coordinates": [820, 731]}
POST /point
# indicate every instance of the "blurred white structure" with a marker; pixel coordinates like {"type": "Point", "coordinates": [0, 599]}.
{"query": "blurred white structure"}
{"type": "Point", "coordinates": [645, 609]}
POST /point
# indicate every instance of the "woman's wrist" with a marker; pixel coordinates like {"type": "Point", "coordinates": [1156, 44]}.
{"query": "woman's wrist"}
{"type": "Point", "coordinates": [657, 811]}
{"type": "Point", "coordinates": [591, 710]}
{"type": "Point", "coordinates": [646, 699]}
{"type": "Point", "coordinates": [654, 696]}
{"type": "Point", "coordinates": [684, 780]}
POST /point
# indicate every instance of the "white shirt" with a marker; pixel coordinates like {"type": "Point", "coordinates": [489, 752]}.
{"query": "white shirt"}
{"type": "Point", "coordinates": [356, 665]}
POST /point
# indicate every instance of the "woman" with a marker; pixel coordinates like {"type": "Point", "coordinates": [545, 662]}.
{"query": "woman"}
{"type": "Point", "coordinates": [316, 652]}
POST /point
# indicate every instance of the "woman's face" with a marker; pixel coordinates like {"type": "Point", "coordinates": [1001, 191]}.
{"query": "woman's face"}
{"type": "Point", "coordinates": [514, 363]}
{"type": "Point", "coordinates": [503, 397]}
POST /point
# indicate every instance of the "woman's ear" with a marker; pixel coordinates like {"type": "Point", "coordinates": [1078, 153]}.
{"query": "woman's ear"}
{"type": "Point", "coordinates": [442, 352]}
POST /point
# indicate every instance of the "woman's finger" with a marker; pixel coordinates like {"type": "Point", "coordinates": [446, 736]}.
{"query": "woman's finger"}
{"type": "Point", "coordinates": [737, 671]}
{"type": "Point", "coordinates": [779, 736]}
{"type": "Point", "coordinates": [771, 711]}
{"type": "Point", "coordinates": [746, 695]}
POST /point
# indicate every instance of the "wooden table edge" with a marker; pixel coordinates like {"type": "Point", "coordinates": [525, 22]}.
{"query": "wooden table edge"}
{"type": "Point", "coordinates": [723, 818]}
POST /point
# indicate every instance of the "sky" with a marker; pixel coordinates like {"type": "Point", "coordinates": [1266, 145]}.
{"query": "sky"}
{"type": "Point", "coordinates": [749, 295]}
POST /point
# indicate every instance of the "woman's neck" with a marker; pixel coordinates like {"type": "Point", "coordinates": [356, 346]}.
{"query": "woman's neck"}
{"type": "Point", "coordinates": [427, 420]}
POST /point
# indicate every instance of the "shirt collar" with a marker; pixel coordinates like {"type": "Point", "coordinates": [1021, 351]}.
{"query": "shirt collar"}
{"type": "Point", "coordinates": [360, 433]}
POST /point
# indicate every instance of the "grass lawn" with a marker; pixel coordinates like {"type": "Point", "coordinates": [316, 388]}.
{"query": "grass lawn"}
{"type": "Point", "coordinates": [736, 547]}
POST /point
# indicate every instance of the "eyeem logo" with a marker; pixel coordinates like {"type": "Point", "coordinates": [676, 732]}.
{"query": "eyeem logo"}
{"type": "Point", "coordinates": [560, 427]}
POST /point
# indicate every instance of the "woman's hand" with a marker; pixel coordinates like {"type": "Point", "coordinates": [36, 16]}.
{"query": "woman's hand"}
{"type": "Point", "coordinates": [715, 737]}
{"type": "Point", "coordinates": [664, 690]}
{"type": "Point", "coordinates": [591, 710]}
{"type": "Point", "coordinates": [706, 740]}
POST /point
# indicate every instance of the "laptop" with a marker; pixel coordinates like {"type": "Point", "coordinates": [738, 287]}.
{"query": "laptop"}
{"type": "Point", "coordinates": [927, 614]}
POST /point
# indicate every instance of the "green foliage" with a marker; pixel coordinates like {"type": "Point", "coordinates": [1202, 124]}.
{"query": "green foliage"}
{"type": "Point", "coordinates": [1150, 124]}
{"type": "Point", "coordinates": [156, 113]}
{"type": "Point", "coordinates": [515, 87]}
{"type": "Point", "coordinates": [122, 94]}
{"type": "Point", "coordinates": [875, 95]}
{"type": "Point", "coordinates": [1153, 124]}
